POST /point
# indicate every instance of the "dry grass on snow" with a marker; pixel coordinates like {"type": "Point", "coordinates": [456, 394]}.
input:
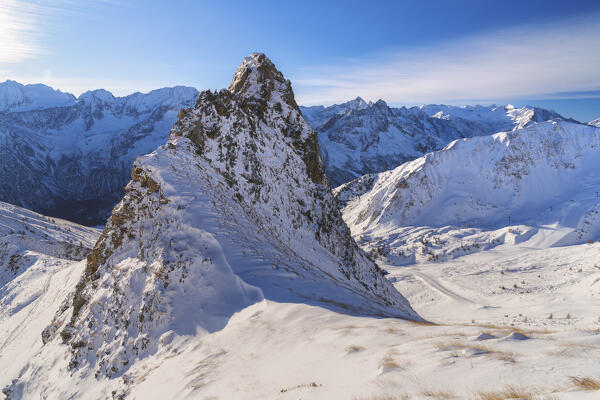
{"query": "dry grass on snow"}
{"type": "Point", "coordinates": [513, 392]}
{"type": "Point", "coordinates": [590, 384]}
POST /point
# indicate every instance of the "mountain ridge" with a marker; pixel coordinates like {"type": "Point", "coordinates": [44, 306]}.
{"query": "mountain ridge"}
{"type": "Point", "coordinates": [73, 161]}
{"type": "Point", "coordinates": [359, 138]}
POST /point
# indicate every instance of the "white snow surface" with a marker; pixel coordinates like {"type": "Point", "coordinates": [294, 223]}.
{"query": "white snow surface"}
{"type": "Point", "coordinates": [273, 350]}
{"type": "Point", "coordinates": [39, 266]}
{"type": "Point", "coordinates": [595, 122]}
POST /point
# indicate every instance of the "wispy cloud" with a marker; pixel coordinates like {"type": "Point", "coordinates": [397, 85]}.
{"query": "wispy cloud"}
{"type": "Point", "coordinates": [520, 62]}
{"type": "Point", "coordinates": [19, 32]}
{"type": "Point", "coordinates": [25, 23]}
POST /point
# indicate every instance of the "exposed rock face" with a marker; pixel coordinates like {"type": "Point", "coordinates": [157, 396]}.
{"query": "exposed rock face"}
{"type": "Point", "coordinates": [359, 138]}
{"type": "Point", "coordinates": [234, 209]}
{"type": "Point", "coordinates": [71, 158]}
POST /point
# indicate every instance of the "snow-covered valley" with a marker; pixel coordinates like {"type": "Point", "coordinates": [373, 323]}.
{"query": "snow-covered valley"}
{"type": "Point", "coordinates": [538, 184]}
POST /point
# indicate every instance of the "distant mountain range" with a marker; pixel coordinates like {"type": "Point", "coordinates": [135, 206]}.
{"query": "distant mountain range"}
{"type": "Point", "coordinates": [71, 157]}
{"type": "Point", "coordinates": [358, 138]}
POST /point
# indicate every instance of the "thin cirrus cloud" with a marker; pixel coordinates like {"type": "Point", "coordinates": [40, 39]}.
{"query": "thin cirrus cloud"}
{"type": "Point", "coordinates": [523, 62]}
{"type": "Point", "coordinates": [19, 31]}
{"type": "Point", "coordinates": [25, 23]}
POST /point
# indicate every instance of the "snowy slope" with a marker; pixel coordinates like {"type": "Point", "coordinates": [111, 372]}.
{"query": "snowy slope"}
{"type": "Point", "coordinates": [539, 183]}
{"type": "Point", "coordinates": [236, 208]}
{"type": "Point", "coordinates": [358, 138]}
{"type": "Point", "coordinates": [595, 122]}
{"type": "Point", "coordinates": [38, 267]}
{"type": "Point", "coordinates": [71, 158]}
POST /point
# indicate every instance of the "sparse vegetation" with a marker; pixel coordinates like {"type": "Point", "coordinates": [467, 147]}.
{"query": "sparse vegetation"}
{"type": "Point", "coordinates": [354, 349]}
{"type": "Point", "coordinates": [506, 356]}
{"type": "Point", "coordinates": [439, 394]}
{"type": "Point", "coordinates": [590, 384]}
{"type": "Point", "coordinates": [510, 392]}
{"type": "Point", "coordinates": [304, 385]}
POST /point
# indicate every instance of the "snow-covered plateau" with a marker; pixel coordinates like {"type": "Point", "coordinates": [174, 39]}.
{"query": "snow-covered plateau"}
{"type": "Point", "coordinates": [228, 271]}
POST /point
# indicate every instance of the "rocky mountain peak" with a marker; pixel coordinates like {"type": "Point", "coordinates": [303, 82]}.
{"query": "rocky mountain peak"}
{"type": "Point", "coordinates": [258, 78]}
{"type": "Point", "coordinates": [234, 209]}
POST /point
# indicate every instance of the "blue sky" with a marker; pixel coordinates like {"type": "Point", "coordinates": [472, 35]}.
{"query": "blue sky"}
{"type": "Point", "coordinates": [406, 52]}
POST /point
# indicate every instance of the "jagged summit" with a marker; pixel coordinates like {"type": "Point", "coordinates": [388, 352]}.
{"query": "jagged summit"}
{"type": "Point", "coordinates": [258, 78]}
{"type": "Point", "coordinates": [234, 209]}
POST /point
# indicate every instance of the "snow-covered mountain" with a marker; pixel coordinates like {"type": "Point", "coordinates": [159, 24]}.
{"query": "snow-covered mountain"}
{"type": "Point", "coordinates": [540, 182]}
{"type": "Point", "coordinates": [595, 122]}
{"type": "Point", "coordinates": [358, 138]}
{"type": "Point", "coordinates": [235, 209]}
{"type": "Point", "coordinates": [15, 97]}
{"type": "Point", "coordinates": [70, 157]}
